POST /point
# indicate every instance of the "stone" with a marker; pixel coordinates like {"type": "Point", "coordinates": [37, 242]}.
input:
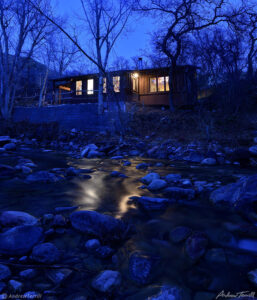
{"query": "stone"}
{"type": "Point", "coordinates": [94, 154]}
{"type": "Point", "coordinates": [142, 166]}
{"type": "Point", "coordinates": [117, 157]}
{"type": "Point", "coordinates": [104, 252]}
{"type": "Point", "coordinates": [240, 155]}
{"type": "Point", "coordinates": [209, 161]}
{"type": "Point", "coordinates": [5, 272]}
{"type": "Point", "coordinates": [87, 149]}
{"type": "Point", "coordinates": [173, 178]}
{"type": "Point", "coordinates": [58, 276]}
{"type": "Point", "coordinates": [107, 281]}
{"type": "Point", "coordinates": [243, 193]}
{"type": "Point", "coordinates": [9, 146]}
{"type": "Point", "coordinates": [157, 184]}
{"type": "Point", "coordinates": [59, 221]}
{"type": "Point", "coordinates": [118, 174]}
{"type": "Point", "coordinates": [44, 177]}
{"type": "Point", "coordinates": [177, 193]}
{"type": "Point", "coordinates": [20, 240]}
{"type": "Point", "coordinates": [4, 140]}
{"type": "Point", "coordinates": [16, 218]}
{"type": "Point", "coordinates": [141, 267]}
{"type": "Point", "coordinates": [179, 234]}
{"type": "Point", "coordinates": [45, 253]}
{"type": "Point", "coordinates": [15, 286]}
{"type": "Point", "coordinates": [167, 293]}
{"type": "Point", "coordinates": [196, 245]}
{"type": "Point", "coordinates": [147, 179]}
{"type": "Point", "coordinates": [99, 225]}
{"type": "Point", "coordinates": [255, 140]}
{"type": "Point", "coordinates": [2, 287]}
{"type": "Point", "coordinates": [92, 245]}
{"type": "Point", "coordinates": [253, 277]}
{"type": "Point", "coordinates": [126, 163]}
{"type": "Point", "coordinates": [26, 170]}
{"type": "Point", "coordinates": [253, 150]}
{"type": "Point", "coordinates": [150, 203]}
{"type": "Point", "coordinates": [28, 274]}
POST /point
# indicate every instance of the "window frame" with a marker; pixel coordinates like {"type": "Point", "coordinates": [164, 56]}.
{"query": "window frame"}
{"type": "Point", "coordinates": [166, 83]}
{"type": "Point", "coordinates": [79, 92]}
{"type": "Point", "coordinates": [113, 78]}
{"type": "Point", "coordinates": [89, 91]}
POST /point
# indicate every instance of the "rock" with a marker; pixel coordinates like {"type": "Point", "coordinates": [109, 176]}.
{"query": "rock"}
{"type": "Point", "coordinates": [59, 221]}
{"type": "Point", "coordinates": [10, 147]}
{"type": "Point", "coordinates": [107, 281]}
{"type": "Point", "coordinates": [118, 174]}
{"type": "Point", "coordinates": [147, 179]}
{"type": "Point", "coordinates": [4, 140]}
{"type": "Point", "coordinates": [194, 157]}
{"type": "Point", "coordinates": [99, 225]}
{"type": "Point", "coordinates": [87, 149]}
{"type": "Point", "coordinates": [92, 245]}
{"type": "Point", "coordinates": [117, 157]}
{"type": "Point", "coordinates": [177, 193]}
{"type": "Point", "coordinates": [141, 268]}
{"type": "Point", "coordinates": [26, 170]}
{"type": "Point", "coordinates": [196, 245]}
{"type": "Point", "coordinates": [104, 252]}
{"type": "Point", "coordinates": [44, 177]}
{"type": "Point", "coordinates": [240, 155]}
{"type": "Point", "coordinates": [209, 162]}
{"type": "Point", "coordinates": [45, 253]}
{"type": "Point", "coordinates": [179, 234]}
{"type": "Point", "coordinates": [15, 286]}
{"type": "Point", "coordinates": [6, 171]}
{"type": "Point", "coordinates": [199, 278]}
{"type": "Point", "coordinates": [65, 209]}
{"type": "Point", "coordinates": [167, 293]}
{"type": "Point", "coordinates": [58, 276]}
{"type": "Point", "coordinates": [71, 172]}
{"type": "Point", "coordinates": [215, 255]}
{"type": "Point", "coordinates": [157, 184]}
{"type": "Point", "coordinates": [28, 274]}
{"type": "Point", "coordinates": [142, 166]}
{"type": "Point", "coordinates": [150, 203]}
{"type": "Point", "coordinates": [243, 193]}
{"type": "Point", "coordinates": [5, 272]}
{"type": "Point", "coordinates": [253, 277]}
{"type": "Point", "coordinates": [94, 154]}
{"type": "Point", "coordinates": [20, 240]}
{"type": "Point", "coordinates": [253, 150]}
{"type": "Point", "coordinates": [255, 140]}
{"type": "Point", "coordinates": [126, 163]}
{"type": "Point", "coordinates": [173, 178]}
{"type": "Point", "coordinates": [16, 218]}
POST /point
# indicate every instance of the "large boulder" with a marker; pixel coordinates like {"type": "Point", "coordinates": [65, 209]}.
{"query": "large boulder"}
{"type": "Point", "coordinates": [43, 176]}
{"type": "Point", "coordinates": [4, 140]}
{"type": "Point", "coordinates": [196, 245]}
{"type": "Point", "coordinates": [150, 203]}
{"type": "Point", "coordinates": [173, 178]}
{"type": "Point", "coordinates": [107, 281]}
{"type": "Point", "coordinates": [16, 218]}
{"type": "Point", "coordinates": [89, 148]}
{"type": "Point", "coordinates": [9, 146]}
{"type": "Point", "coordinates": [177, 193]}
{"type": "Point", "coordinates": [240, 194]}
{"type": "Point", "coordinates": [156, 185]}
{"type": "Point", "coordinates": [45, 253]}
{"type": "Point", "coordinates": [5, 272]}
{"type": "Point", "coordinates": [20, 240]}
{"type": "Point", "coordinates": [99, 225]}
{"type": "Point", "coordinates": [147, 179]}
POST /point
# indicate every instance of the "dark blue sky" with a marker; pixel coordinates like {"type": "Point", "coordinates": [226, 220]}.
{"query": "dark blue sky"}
{"type": "Point", "coordinates": [129, 44]}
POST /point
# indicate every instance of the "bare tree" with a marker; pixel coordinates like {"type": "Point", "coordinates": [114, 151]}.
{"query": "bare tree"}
{"type": "Point", "coordinates": [180, 19]}
{"type": "Point", "coordinates": [22, 29]}
{"type": "Point", "coordinates": [106, 20]}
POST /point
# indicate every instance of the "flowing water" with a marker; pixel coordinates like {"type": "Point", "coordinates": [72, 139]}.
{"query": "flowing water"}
{"type": "Point", "coordinates": [106, 194]}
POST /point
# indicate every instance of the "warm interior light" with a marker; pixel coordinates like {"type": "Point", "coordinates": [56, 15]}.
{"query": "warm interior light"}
{"type": "Point", "coordinates": [135, 75]}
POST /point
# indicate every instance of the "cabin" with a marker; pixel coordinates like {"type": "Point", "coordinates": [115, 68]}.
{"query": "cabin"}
{"type": "Point", "coordinates": [147, 87]}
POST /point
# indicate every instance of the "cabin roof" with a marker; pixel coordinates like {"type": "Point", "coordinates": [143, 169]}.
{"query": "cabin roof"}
{"type": "Point", "coordinates": [120, 72]}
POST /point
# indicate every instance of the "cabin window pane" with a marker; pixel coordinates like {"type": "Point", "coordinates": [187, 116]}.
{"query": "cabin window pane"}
{"type": "Point", "coordinates": [79, 88]}
{"type": "Point", "coordinates": [90, 86]}
{"type": "Point", "coordinates": [153, 85]}
{"type": "Point", "coordinates": [116, 84]}
{"type": "Point", "coordinates": [161, 84]}
{"type": "Point", "coordinates": [135, 84]}
{"type": "Point", "coordinates": [104, 85]}
{"type": "Point", "coordinates": [167, 84]}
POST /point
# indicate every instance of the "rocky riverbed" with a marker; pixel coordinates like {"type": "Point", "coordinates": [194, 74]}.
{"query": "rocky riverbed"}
{"type": "Point", "coordinates": [108, 219]}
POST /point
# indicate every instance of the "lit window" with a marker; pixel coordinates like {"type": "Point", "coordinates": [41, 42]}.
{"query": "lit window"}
{"type": "Point", "coordinates": [104, 85]}
{"type": "Point", "coordinates": [161, 84]}
{"type": "Point", "coordinates": [79, 88]}
{"type": "Point", "coordinates": [153, 85]}
{"type": "Point", "coordinates": [135, 83]}
{"type": "Point", "coordinates": [116, 84]}
{"type": "Point", "coordinates": [90, 86]}
{"type": "Point", "coordinates": [167, 83]}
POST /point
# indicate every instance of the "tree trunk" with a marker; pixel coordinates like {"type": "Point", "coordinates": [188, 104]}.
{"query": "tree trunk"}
{"type": "Point", "coordinates": [100, 94]}
{"type": "Point", "coordinates": [42, 91]}
{"type": "Point", "coordinates": [171, 81]}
